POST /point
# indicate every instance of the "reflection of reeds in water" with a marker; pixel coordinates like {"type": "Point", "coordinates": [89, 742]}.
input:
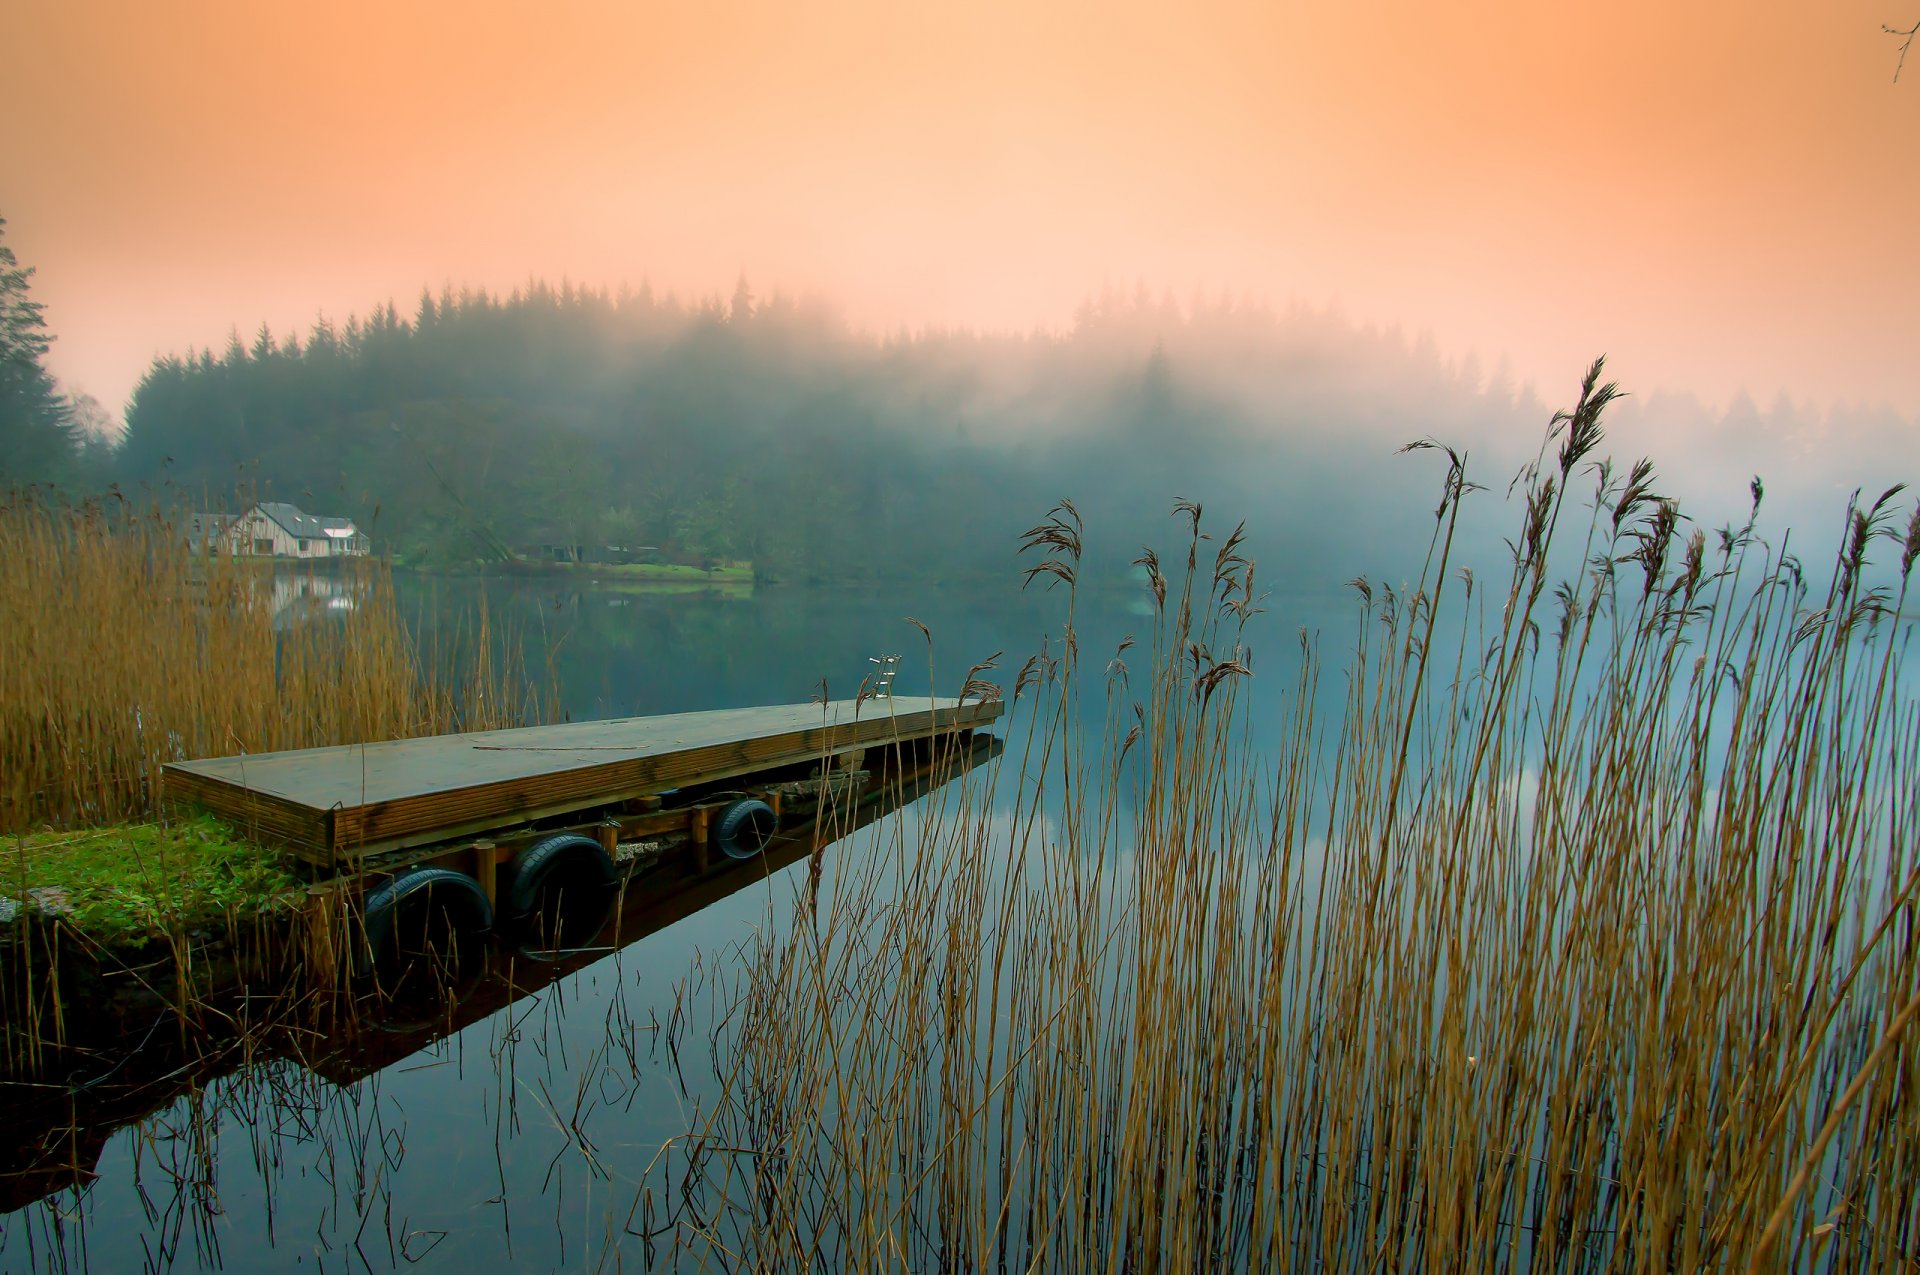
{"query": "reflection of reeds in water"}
{"type": "Point", "coordinates": [127, 647]}
{"type": "Point", "coordinates": [247, 1116]}
{"type": "Point", "coordinates": [1581, 941]}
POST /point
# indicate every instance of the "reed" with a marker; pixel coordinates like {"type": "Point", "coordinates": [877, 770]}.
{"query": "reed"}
{"type": "Point", "coordinates": [1582, 939]}
{"type": "Point", "coordinates": [127, 648]}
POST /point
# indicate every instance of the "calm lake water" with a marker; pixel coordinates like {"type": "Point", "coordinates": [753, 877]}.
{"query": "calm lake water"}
{"type": "Point", "coordinates": [541, 1135]}
{"type": "Point", "coordinates": [622, 651]}
{"type": "Point", "coordinates": [545, 1134]}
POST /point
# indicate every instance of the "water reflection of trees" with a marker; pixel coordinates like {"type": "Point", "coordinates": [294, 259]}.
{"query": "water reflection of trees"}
{"type": "Point", "coordinates": [615, 652]}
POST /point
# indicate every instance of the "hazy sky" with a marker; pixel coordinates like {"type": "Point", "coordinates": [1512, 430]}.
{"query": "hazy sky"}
{"type": "Point", "coordinates": [1720, 193]}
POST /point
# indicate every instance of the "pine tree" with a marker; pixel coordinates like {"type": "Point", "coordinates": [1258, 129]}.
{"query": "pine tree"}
{"type": "Point", "coordinates": [36, 428]}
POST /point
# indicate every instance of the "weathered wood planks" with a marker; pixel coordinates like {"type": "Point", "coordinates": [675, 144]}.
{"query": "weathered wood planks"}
{"type": "Point", "coordinates": [332, 805]}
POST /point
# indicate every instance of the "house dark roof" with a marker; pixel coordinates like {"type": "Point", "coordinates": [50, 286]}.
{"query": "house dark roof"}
{"type": "Point", "coordinates": [304, 525]}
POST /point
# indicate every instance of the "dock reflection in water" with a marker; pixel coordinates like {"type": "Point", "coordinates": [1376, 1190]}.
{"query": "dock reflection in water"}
{"type": "Point", "coordinates": [531, 1115]}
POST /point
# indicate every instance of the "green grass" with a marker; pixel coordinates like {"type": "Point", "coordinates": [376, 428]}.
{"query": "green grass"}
{"type": "Point", "coordinates": [665, 571]}
{"type": "Point", "coordinates": [662, 572]}
{"type": "Point", "coordinates": [730, 589]}
{"type": "Point", "coordinates": [134, 882]}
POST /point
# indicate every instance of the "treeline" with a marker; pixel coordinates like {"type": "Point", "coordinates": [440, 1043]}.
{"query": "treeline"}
{"type": "Point", "coordinates": [772, 432]}
{"type": "Point", "coordinates": [554, 417]}
{"type": "Point", "coordinates": [480, 426]}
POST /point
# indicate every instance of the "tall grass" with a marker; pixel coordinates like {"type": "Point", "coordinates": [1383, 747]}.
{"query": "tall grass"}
{"type": "Point", "coordinates": [1581, 940]}
{"type": "Point", "coordinates": [126, 648]}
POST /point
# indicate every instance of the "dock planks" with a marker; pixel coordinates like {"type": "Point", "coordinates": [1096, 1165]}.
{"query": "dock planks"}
{"type": "Point", "coordinates": [331, 806]}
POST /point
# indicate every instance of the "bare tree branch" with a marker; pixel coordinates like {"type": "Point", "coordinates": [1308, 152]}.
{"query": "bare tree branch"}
{"type": "Point", "coordinates": [1905, 44]}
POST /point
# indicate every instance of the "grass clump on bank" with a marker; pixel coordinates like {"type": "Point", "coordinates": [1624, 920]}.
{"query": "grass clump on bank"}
{"type": "Point", "coordinates": [1580, 938]}
{"type": "Point", "coordinates": [129, 884]}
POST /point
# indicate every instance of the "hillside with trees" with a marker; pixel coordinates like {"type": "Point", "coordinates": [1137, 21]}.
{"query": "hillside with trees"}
{"type": "Point", "coordinates": [480, 427]}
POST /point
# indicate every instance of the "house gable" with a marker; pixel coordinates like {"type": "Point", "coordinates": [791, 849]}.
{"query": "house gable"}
{"type": "Point", "coordinates": [279, 529]}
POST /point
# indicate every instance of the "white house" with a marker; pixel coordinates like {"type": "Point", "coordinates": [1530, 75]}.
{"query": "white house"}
{"type": "Point", "coordinates": [275, 529]}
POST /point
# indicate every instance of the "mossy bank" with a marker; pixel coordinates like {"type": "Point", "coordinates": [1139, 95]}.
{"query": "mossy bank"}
{"type": "Point", "coordinates": [130, 885]}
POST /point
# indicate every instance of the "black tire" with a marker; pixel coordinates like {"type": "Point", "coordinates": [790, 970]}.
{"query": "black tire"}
{"type": "Point", "coordinates": [423, 911]}
{"type": "Point", "coordinates": [561, 890]}
{"type": "Point", "coordinates": [744, 828]}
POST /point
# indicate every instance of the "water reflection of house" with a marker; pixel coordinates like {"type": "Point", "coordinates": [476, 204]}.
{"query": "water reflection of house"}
{"type": "Point", "coordinates": [275, 529]}
{"type": "Point", "coordinates": [308, 596]}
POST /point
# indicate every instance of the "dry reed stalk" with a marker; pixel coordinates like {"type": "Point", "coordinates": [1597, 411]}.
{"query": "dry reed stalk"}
{"type": "Point", "coordinates": [128, 647]}
{"type": "Point", "coordinates": [1580, 944]}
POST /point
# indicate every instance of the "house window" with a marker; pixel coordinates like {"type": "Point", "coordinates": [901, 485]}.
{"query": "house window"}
{"type": "Point", "coordinates": [263, 544]}
{"type": "Point", "coordinates": [304, 545]}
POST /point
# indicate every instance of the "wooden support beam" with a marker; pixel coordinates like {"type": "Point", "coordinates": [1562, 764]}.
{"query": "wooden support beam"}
{"type": "Point", "coordinates": [653, 824]}
{"type": "Point", "coordinates": [701, 815]}
{"type": "Point", "coordinates": [322, 950]}
{"type": "Point", "coordinates": [486, 865]}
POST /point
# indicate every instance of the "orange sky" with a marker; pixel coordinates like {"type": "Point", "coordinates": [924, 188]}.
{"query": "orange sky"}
{"type": "Point", "coordinates": [1720, 193]}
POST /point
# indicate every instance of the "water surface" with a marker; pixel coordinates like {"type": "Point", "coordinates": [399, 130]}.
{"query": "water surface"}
{"type": "Point", "coordinates": [544, 1134]}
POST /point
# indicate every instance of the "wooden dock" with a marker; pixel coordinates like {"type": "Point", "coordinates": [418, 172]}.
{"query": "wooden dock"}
{"type": "Point", "coordinates": [336, 806]}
